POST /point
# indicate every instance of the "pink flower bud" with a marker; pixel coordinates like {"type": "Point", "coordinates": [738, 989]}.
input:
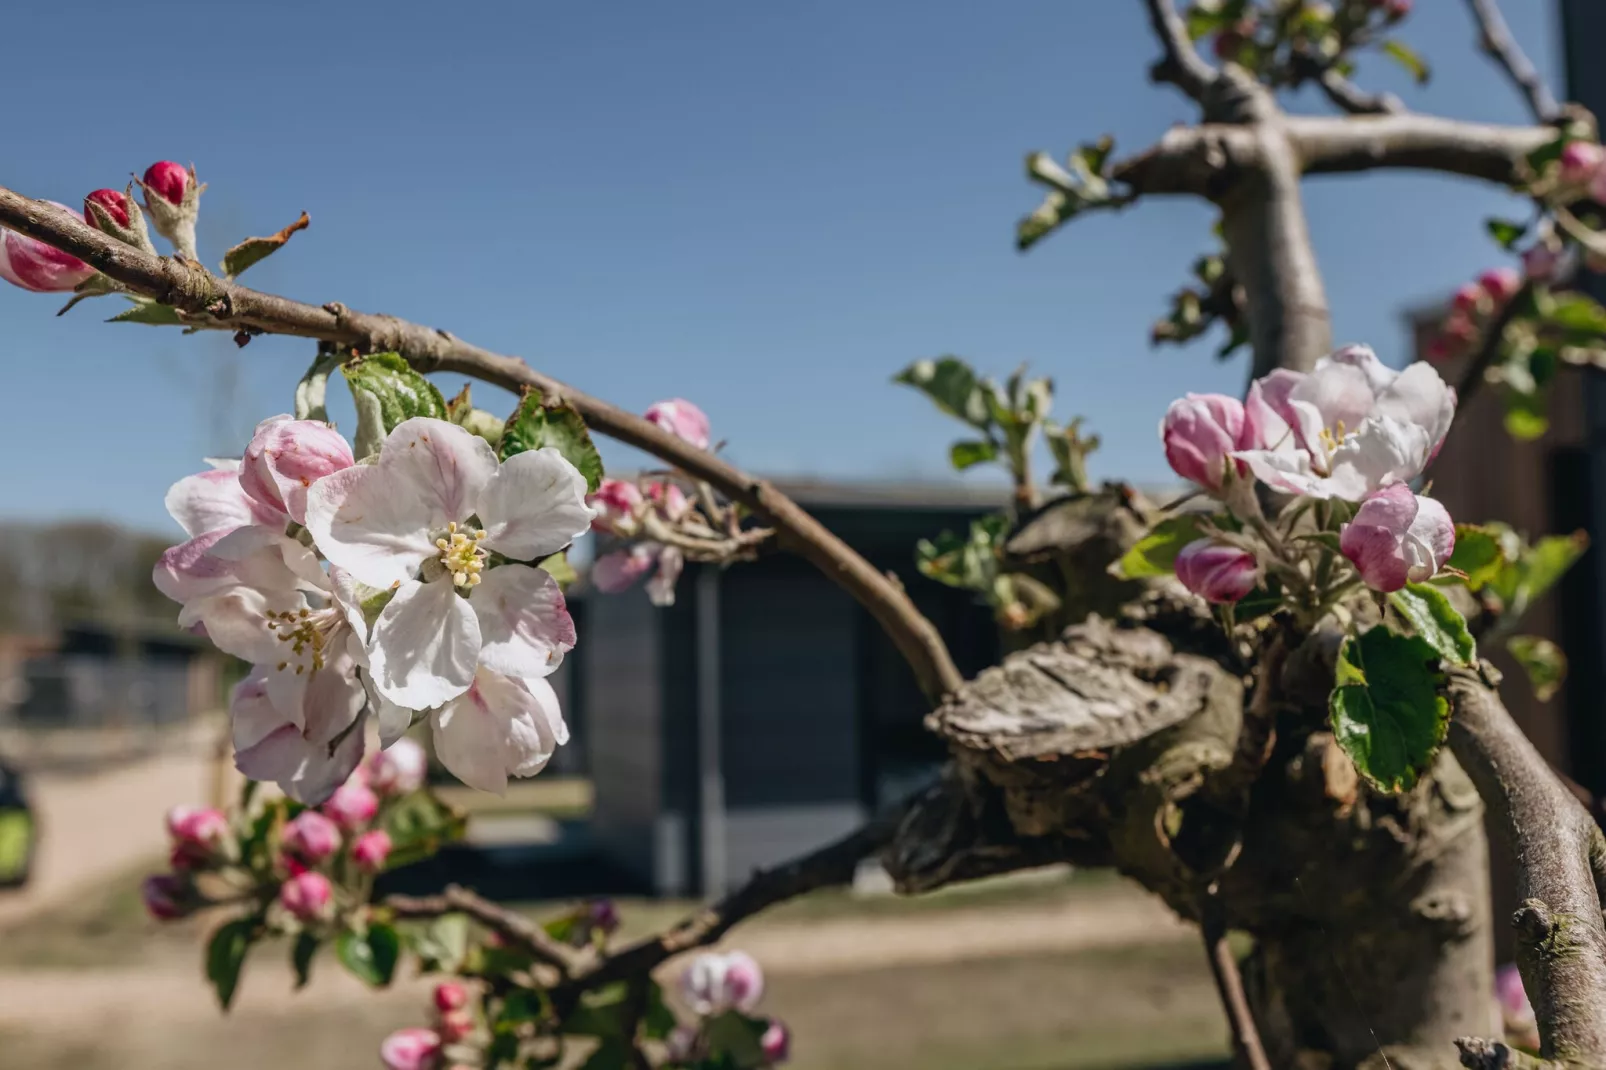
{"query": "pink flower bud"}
{"type": "Point", "coordinates": [287, 456]}
{"type": "Point", "coordinates": [616, 502]}
{"type": "Point", "coordinates": [1217, 572]}
{"type": "Point", "coordinates": [1467, 298]}
{"type": "Point", "coordinates": [1200, 432]}
{"type": "Point", "coordinates": [455, 1025]}
{"type": "Point", "coordinates": [306, 895]}
{"type": "Point", "coordinates": [1501, 284]}
{"type": "Point", "coordinates": [715, 983]}
{"type": "Point", "coordinates": [168, 180]}
{"type": "Point", "coordinates": [682, 419]}
{"type": "Point", "coordinates": [411, 1049]}
{"type": "Point", "coordinates": [669, 500]}
{"type": "Point", "coordinates": [1539, 262]}
{"type": "Point", "coordinates": [311, 836]}
{"type": "Point", "coordinates": [1396, 9]}
{"type": "Point", "coordinates": [1580, 160]}
{"type": "Point", "coordinates": [1397, 538]}
{"type": "Point", "coordinates": [197, 835]}
{"type": "Point", "coordinates": [33, 265]}
{"type": "Point", "coordinates": [371, 850]}
{"type": "Point", "coordinates": [113, 202]}
{"type": "Point", "coordinates": [353, 805]}
{"type": "Point", "coordinates": [1460, 328]}
{"type": "Point", "coordinates": [450, 996]}
{"type": "Point", "coordinates": [398, 769]}
{"type": "Point", "coordinates": [163, 895]}
{"type": "Point", "coordinates": [776, 1043]}
{"type": "Point", "coordinates": [603, 915]}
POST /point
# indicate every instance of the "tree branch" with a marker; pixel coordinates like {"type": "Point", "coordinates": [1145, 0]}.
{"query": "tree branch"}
{"type": "Point", "coordinates": [1246, 1043]}
{"type": "Point", "coordinates": [1345, 94]}
{"type": "Point", "coordinates": [1561, 938]}
{"type": "Point", "coordinates": [1495, 38]}
{"type": "Point", "coordinates": [1181, 65]}
{"type": "Point", "coordinates": [1488, 151]}
{"type": "Point", "coordinates": [515, 928]}
{"type": "Point", "coordinates": [190, 288]}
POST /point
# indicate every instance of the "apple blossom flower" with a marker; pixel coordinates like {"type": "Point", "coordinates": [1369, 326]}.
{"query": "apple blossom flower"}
{"type": "Point", "coordinates": [682, 419]}
{"type": "Point", "coordinates": [209, 506]}
{"type": "Point", "coordinates": [1397, 538]}
{"type": "Point", "coordinates": [398, 769]}
{"type": "Point", "coordinates": [411, 1049]}
{"type": "Point", "coordinates": [617, 503]}
{"type": "Point", "coordinates": [617, 571]}
{"type": "Point", "coordinates": [1580, 162]}
{"type": "Point", "coordinates": [1217, 572]}
{"type": "Point", "coordinates": [306, 895]}
{"type": "Point", "coordinates": [311, 836]}
{"type": "Point", "coordinates": [715, 983]}
{"type": "Point", "coordinates": [423, 521]}
{"type": "Point", "coordinates": [307, 762]}
{"type": "Point", "coordinates": [113, 202]}
{"type": "Point", "coordinates": [371, 850]}
{"type": "Point", "coordinates": [163, 895]}
{"type": "Point", "coordinates": [1501, 284]}
{"type": "Point", "coordinates": [285, 457]}
{"type": "Point", "coordinates": [450, 996]}
{"type": "Point", "coordinates": [33, 265]}
{"type": "Point", "coordinates": [501, 726]}
{"type": "Point", "coordinates": [198, 835]}
{"type": "Point", "coordinates": [776, 1042]}
{"type": "Point", "coordinates": [1355, 425]}
{"type": "Point", "coordinates": [353, 805]}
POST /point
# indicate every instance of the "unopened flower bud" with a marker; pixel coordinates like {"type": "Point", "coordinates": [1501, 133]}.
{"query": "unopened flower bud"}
{"type": "Point", "coordinates": [455, 1025]}
{"type": "Point", "coordinates": [1200, 432]}
{"type": "Point", "coordinates": [371, 850]}
{"type": "Point", "coordinates": [163, 895]}
{"type": "Point", "coordinates": [353, 805]}
{"type": "Point", "coordinates": [285, 457]}
{"type": "Point", "coordinates": [168, 180]}
{"type": "Point", "coordinates": [714, 983]}
{"type": "Point", "coordinates": [306, 896]}
{"type": "Point", "coordinates": [113, 202]}
{"type": "Point", "coordinates": [173, 199]}
{"type": "Point", "coordinates": [1395, 10]}
{"type": "Point", "coordinates": [1217, 572]}
{"type": "Point", "coordinates": [603, 916]}
{"type": "Point", "coordinates": [669, 500]}
{"type": "Point", "coordinates": [311, 836]}
{"type": "Point", "coordinates": [198, 835]}
{"type": "Point", "coordinates": [1397, 538]}
{"type": "Point", "coordinates": [411, 1049]}
{"type": "Point", "coordinates": [1501, 284]}
{"type": "Point", "coordinates": [776, 1043]}
{"type": "Point", "coordinates": [1467, 298]}
{"type": "Point", "coordinates": [1580, 160]}
{"type": "Point", "coordinates": [450, 996]}
{"type": "Point", "coordinates": [1539, 262]}
{"type": "Point", "coordinates": [682, 419]}
{"type": "Point", "coordinates": [616, 503]}
{"type": "Point", "coordinates": [33, 265]}
{"type": "Point", "coordinates": [398, 769]}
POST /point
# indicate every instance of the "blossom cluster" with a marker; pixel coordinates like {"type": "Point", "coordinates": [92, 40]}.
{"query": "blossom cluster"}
{"type": "Point", "coordinates": [401, 587]}
{"type": "Point", "coordinates": [1352, 435]}
{"type": "Point", "coordinates": [722, 988]}
{"type": "Point", "coordinates": [427, 1048]}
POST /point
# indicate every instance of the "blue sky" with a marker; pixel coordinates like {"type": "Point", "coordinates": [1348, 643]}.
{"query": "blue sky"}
{"type": "Point", "coordinates": [766, 208]}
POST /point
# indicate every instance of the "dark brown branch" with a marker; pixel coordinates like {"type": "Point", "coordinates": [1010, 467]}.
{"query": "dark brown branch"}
{"type": "Point", "coordinates": [1494, 36]}
{"type": "Point", "coordinates": [1561, 938]}
{"type": "Point", "coordinates": [515, 928]}
{"type": "Point", "coordinates": [190, 288]}
{"type": "Point", "coordinates": [1489, 346]}
{"type": "Point", "coordinates": [1246, 1043]}
{"type": "Point", "coordinates": [1181, 64]}
{"type": "Point", "coordinates": [1421, 142]}
{"type": "Point", "coordinates": [831, 866]}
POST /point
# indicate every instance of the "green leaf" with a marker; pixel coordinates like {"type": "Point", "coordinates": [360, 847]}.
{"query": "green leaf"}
{"type": "Point", "coordinates": [255, 250]}
{"type": "Point", "coordinates": [1156, 553]}
{"type": "Point", "coordinates": [1578, 313]}
{"type": "Point", "coordinates": [301, 955]}
{"type": "Point", "coordinates": [557, 566]}
{"type": "Point", "coordinates": [1477, 553]}
{"type": "Point", "coordinates": [387, 391]}
{"type": "Point", "coordinates": [657, 1021]}
{"type": "Point", "coordinates": [419, 825]}
{"type": "Point", "coordinates": [1548, 561]}
{"type": "Point", "coordinates": [612, 1054]}
{"type": "Point", "coordinates": [1526, 415]}
{"type": "Point", "coordinates": [970, 562]}
{"type": "Point", "coordinates": [951, 385]}
{"type": "Point", "coordinates": [313, 389]}
{"type": "Point", "coordinates": [736, 1037]}
{"type": "Point", "coordinates": [1542, 660]}
{"type": "Point", "coordinates": [1432, 617]}
{"type": "Point", "coordinates": [151, 313]}
{"type": "Point", "coordinates": [969, 453]}
{"type": "Point", "coordinates": [442, 944]}
{"type": "Point", "coordinates": [1504, 231]}
{"type": "Point", "coordinates": [600, 1013]}
{"type": "Point", "coordinates": [534, 426]}
{"type": "Point", "coordinates": [225, 955]}
{"type": "Point", "coordinates": [371, 956]}
{"type": "Point", "coordinates": [1387, 713]}
{"type": "Point", "coordinates": [1406, 57]}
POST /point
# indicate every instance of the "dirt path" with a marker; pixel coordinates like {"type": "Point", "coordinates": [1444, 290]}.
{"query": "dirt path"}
{"type": "Point", "coordinates": [173, 991]}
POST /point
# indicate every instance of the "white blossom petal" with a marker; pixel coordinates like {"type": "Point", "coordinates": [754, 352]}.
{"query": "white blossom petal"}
{"type": "Point", "coordinates": [364, 521]}
{"type": "Point", "coordinates": [214, 500]}
{"type": "Point", "coordinates": [1419, 396]}
{"type": "Point", "coordinates": [236, 620]}
{"type": "Point", "coordinates": [1378, 375]}
{"type": "Point", "coordinates": [425, 645]}
{"type": "Point", "coordinates": [661, 588]}
{"type": "Point", "coordinates": [1382, 452]}
{"type": "Point", "coordinates": [498, 727]}
{"type": "Point", "coordinates": [535, 505]}
{"type": "Point", "coordinates": [525, 627]}
{"type": "Point", "coordinates": [1286, 470]}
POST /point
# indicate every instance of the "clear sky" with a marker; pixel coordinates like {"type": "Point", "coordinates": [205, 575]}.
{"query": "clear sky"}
{"type": "Point", "coordinates": [767, 208]}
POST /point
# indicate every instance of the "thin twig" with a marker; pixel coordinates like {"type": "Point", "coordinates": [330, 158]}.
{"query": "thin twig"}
{"type": "Point", "coordinates": [1495, 38]}
{"type": "Point", "coordinates": [190, 288]}
{"type": "Point", "coordinates": [513, 927]}
{"type": "Point", "coordinates": [1181, 65]}
{"type": "Point", "coordinates": [1489, 346]}
{"type": "Point", "coordinates": [1344, 94]}
{"type": "Point", "coordinates": [1246, 1041]}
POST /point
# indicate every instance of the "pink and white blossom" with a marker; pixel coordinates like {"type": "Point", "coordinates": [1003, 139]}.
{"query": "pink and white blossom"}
{"type": "Point", "coordinates": [411, 1049]}
{"type": "Point", "coordinates": [1580, 162]}
{"type": "Point", "coordinates": [33, 265]}
{"type": "Point", "coordinates": [1501, 284]}
{"type": "Point", "coordinates": [399, 768]}
{"type": "Point", "coordinates": [1217, 572]}
{"type": "Point", "coordinates": [1397, 538]}
{"type": "Point", "coordinates": [285, 457]}
{"type": "Point", "coordinates": [307, 760]}
{"type": "Point", "coordinates": [501, 727]}
{"type": "Point", "coordinates": [306, 895]}
{"type": "Point", "coordinates": [618, 571]}
{"type": "Point", "coordinates": [682, 419]}
{"type": "Point", "coordinates": [715, 983]}
{"type": "Point", "coordinates": [311, 837]}
{"type": "Point", "coordinates": [776, 1042]}
{"type": "Point", "coordinates": [198, 835]}
{"type": "Point", "coordinates": [1355, 426]}
{"type": "Point", "coordinates": [423, 521]}
{"type": "Point", "coordinates": [353, 805]}
{"type": "Point", "coordinates": [1540, 262]}
{"type": "Point", "coordinates": [618, 504]}
{"type": "Point", "coordinates": [371, 850]}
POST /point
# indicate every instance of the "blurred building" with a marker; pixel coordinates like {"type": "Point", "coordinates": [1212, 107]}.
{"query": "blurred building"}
{"type": "Point", "coordinates": [766, 712]}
